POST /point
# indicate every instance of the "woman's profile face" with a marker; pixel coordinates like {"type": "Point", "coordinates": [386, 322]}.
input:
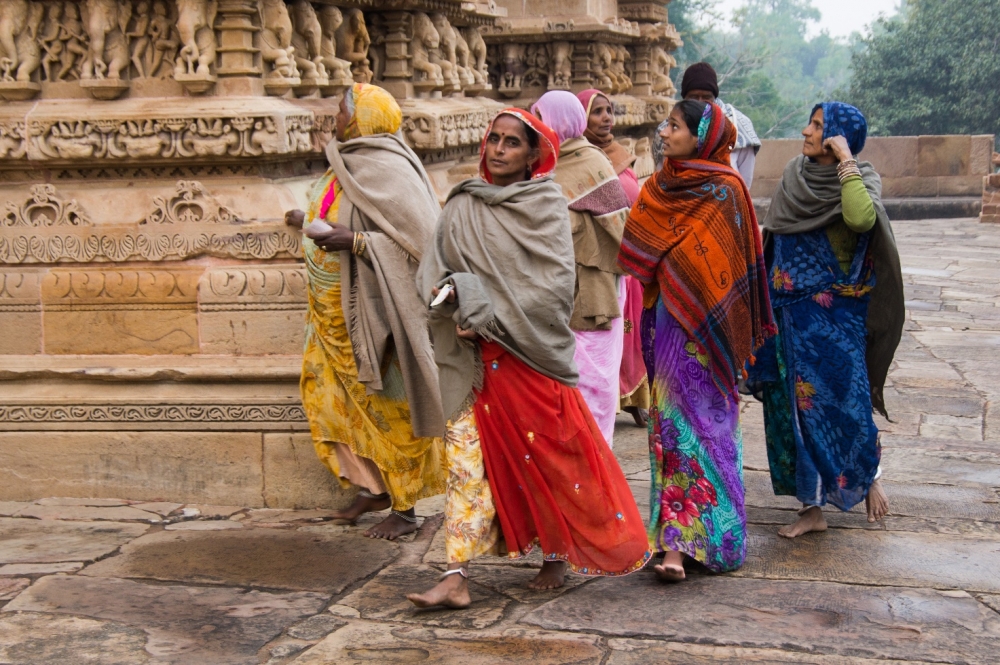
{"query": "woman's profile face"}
{"type": "Point", "coordinates": [343, 118]}
{"type": "Point", "coordinates": [508, 153]}
{"type": "Point", "coordinates": [812, 146]}
{"type": "Point", "coordinates": [602, 116]}
{"type": "Point", "coordinates": [678, 141]}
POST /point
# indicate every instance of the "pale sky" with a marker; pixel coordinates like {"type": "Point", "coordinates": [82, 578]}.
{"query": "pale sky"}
{"type": "Point", "coordinates": [840, 17]}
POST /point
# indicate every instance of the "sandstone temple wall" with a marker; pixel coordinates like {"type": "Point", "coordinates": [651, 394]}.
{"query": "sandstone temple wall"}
{"type": "Point", "coordinates": [151, 299]}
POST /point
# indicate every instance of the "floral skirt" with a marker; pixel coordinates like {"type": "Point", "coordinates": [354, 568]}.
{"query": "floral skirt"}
{"type": "Point", "coordinates": [695, 449]}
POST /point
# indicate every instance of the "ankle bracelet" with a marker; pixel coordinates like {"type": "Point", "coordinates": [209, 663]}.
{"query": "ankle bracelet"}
{"type": "Point", "coordinates": [412, 519]}
{"type": "Point", "coordinates": [457, 571]}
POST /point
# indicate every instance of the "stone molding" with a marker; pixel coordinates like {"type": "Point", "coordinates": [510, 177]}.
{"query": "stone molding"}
{"type": "Point", "coordinates": [44, 208]}
{"type": "Point", "coordinates": [282, 287]}
{"type": "Point", "coordinates": [25, 414]}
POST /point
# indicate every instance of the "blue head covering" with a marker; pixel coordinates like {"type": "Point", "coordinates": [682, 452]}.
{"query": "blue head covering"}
{"type": "Point", "coordinates": [841, 119]}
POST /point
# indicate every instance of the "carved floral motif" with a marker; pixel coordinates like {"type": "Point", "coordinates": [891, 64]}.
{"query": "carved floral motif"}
{"type": "Point", "coordinates": [191, 204]}
{"type": "Point", "coordinates": [44, 208]}
{"type": "Point", "coordinates": [132, 413]}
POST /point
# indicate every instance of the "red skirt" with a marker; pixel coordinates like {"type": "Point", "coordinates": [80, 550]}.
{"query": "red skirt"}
{"type": "Point", "coordinates": [633, 369]}
{"type": "Point", "coordinates": [555, 482]}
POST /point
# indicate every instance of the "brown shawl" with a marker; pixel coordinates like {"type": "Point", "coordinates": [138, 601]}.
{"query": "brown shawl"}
{"type": "Point", "coordinates": [388, 198]}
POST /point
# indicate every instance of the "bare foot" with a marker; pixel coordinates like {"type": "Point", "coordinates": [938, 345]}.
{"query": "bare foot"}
{"type": "Point", "coordinates": [551, 576]}
{"type": "Point", "coordinates": [810, 519]}
{"type": "Point", "coordinates": [671, 569]}
{"type": "Point", "coordinates": [876, 502]}
{"type": "Point", "coordinates": [638, 415]}
{"type": "Point", "coordinates": [452, 591]}
{"type": "Point", "coordinates": [394, 526]}
{"type": "Point", "coordinates": [362, 504]}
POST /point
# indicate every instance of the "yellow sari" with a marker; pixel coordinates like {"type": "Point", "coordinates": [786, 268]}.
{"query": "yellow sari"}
{"type": "Point", "coordinates": [375, 427]}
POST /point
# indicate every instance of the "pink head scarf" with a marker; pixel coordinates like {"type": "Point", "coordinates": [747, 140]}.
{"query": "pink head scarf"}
{"type": "Point", "coordinates": [561, 111]}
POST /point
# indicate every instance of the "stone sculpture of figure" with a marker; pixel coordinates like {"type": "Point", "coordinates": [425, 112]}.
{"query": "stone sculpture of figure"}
{"type": "Point", "coordinates": [195, 25]}
{"type": "Point", "coordinates": [353, 42]}
{"type": "Point", "coordinates": [464, 65]}
{"type": "Point", "coordinates": [621, 56]}
{"type": "Point", "coordinates": [330, 18]}
{"type": "Point", "coordinates": [276, 39]}
{"type": "Point", "coordinates": [477, 54]}
{"type": "Point", "coordinates": [512, 66]}
{"type": "Point", "coordinates": [74, 41]}
{"type": "Point", "coordinates": [139, 37]}
{"type": "Point", "coordinates": [600, 64]}
{"type": "Point", "coordinates": [660, 64]}
{"type": "Point", "coordinates": [307, 39]}
{"type": "Point", "coordinates": [49, 40]}
{"type": "Point", "coordinates": [20, 54]}
{"type": "Point", "coordinates": [164, 38]}
{"type": "Point", "coordinates": [106, 22]}
{"type": "Point", "coordinates": [560, 65]}
{"type": "Point", "coordinates": [446, 55]}
{"type": "Point", "coordinates": [425, 40]}
{"type": "Point", "coordinates": [376, 50]}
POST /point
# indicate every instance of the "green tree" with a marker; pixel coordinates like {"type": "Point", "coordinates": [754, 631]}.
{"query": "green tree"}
{"type": "Point", "coordinates": [936, 71]}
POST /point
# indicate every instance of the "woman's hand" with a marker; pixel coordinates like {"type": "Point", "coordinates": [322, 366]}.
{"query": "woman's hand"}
{"type": "Point", "coordinates": [339, 238]}
{"type": "Point", "coordinates": [466, 334]}
{"type": "Point", "coordinates": [450, 298]}
{"type": "Point", "coordinates": [295, 218]}
{"type": "Point", "coordinates": [839, 147]}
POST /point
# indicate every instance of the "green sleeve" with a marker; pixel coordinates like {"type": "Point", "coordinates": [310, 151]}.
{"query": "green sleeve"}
{"type": "Point", "coordinates": [859, 211]}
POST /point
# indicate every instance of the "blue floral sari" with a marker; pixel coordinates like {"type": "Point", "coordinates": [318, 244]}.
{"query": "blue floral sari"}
{"type": "Point", "coordinates": [822, 443]}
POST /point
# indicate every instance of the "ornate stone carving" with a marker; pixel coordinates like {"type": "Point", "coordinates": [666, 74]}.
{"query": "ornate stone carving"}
{"type": "Point", "coordinates": [353, 42]}
{"type": "Point", "coordinates": [661, 63]}
{"type": "Point", "coordinates": [512, 66]}
{"type": "Point", "coordinates": [560, 66]}
{"type": "Point", "coordinates": [195, 64]}
{"type": "Point", "coordinates": [307, 40]}
{"type": "Point", "coordinates": [338, 71]}
{"type": "Point", "coordinates": [75, 288]}
{"type": "Point", "coordinates": [431, 126]}
{"type": "Point", "coordinates": [477, 56]}
{"type": "Point", "coordinates": [276, 47]}
{"type": "Point", "coordinates": [446, 54]}
{"type": "Point", "coordinates": [44, 208]}
{"type": "Point", "coordinates": [13, 140]}
{"type": "Point", "coordinates": [253, 288]}
{"type": "Point", "coordinates": [427, 71]}
{"type": "Point", "coordinates": [164, 40]}
{"type": "Point", "coordinates": [190, 204]}
{"type": "Point", "coordinates": [106, 23]}
{"type": "Point", "coordinates": [22, 414]}
{"type": "Point", "coordinates": [20, 52]}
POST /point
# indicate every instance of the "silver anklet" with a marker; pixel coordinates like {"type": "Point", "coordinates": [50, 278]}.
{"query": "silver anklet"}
{"type": "Point", "coordinates": [457, 571]}
{"type": "Point", "coordinates": [402, 515]}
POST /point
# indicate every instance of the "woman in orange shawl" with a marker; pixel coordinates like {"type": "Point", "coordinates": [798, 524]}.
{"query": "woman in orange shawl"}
{"type": "Point", "coordinates": [521, 443]}
{"type": "Point", "coordinates": [692, 239]}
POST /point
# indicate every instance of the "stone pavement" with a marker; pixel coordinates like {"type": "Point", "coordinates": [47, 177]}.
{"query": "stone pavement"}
{"type": "Point", "coordinates": [117, 582]}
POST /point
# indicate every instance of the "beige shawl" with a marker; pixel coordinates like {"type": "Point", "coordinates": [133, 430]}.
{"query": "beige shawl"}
{"type": "Point", "coordinates": [509, 253]}
{"type": "Point", "coordinates": [388, 198]}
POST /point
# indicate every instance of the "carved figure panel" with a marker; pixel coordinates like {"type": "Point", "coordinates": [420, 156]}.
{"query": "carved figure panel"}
{"type": "Point", "coordinates": [276, 47]}
{"type": "Point", "coordinates": [338, 70]}
{"type": "Point", "coordinates": [13, 140]}
{"type": "Point", "coordinates": [560, 66]}
{"type": "Point", "coordinates": [477, 55]}
{"type": "Point", "coordinates": [427, 68]}
{"type": "Point", "coordinates": [660, 65]}
{"type": "Point", "coordinates": [20, 51]}
{"type": "Point", "coordinates": [307, 41]}
{"type": "Point", "coordinates": [353, 43]}
{"type": "Point", "coordinates": [194, 65]}
{"type": "Point", "coordinates": [106, 23]}
{"type": "Point", "coordinates": [446, 55]}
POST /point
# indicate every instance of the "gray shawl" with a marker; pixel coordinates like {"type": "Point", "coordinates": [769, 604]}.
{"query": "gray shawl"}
{"type": "Point", "coordinates": [807, 199]}
{"type": "Point", "coordinates": [509, 253]}
{"type": "Point", "coordinates": [388, 198]}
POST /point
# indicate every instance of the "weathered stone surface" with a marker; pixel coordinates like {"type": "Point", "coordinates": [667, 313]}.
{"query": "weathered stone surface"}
{"type": "Point", "coordinates": [9, 588]}
{"type": "Point", "coordinates": [958, 466]}
{"type": "Point", "coordinates": [121, 463]}
{"type": "Point", "coordinates": [856, 519]}
{"type": "Point", "coordinates": [80, 501]}
{"type": "Point", "coordinates": [512, 580]}
{"type": "Point", "coordinates": [11, 508]}
{"type": "Point", "coordinates": [87, 513]}
{"type": "Point", "coordinates": [384, 599]}
{"type": "Point", "coordinates": [210, 512]}
{"type": "Point", "coordinates": [161, 508]}
{"type": "Point", "coordinates": [809, 617]}
{"type": "Point", "coordinates": [208, 525]}
{"type": "Point", "coordinates": [315, 627]}
{"type": "Point", "coordinates": [295, 478]}
{"type": "Point", "coordinates": [44, 541]}
{"type": "Point", "coordinates": [31, 638]}
{"type": "Point", "coordinates": [639, 652]}
{"type": "Point", "coordinates": [184, 624]}
{"type": "Point", "coordinates": [40, 568]}
{"type": "Point", "coordinates": [385, 642]}
{"type": "Point", "coordinates": [869, 557]}
{"type": "Point", "coordinates": [264, 558]}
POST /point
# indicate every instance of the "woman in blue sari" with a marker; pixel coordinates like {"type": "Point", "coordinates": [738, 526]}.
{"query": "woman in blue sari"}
{"type": "Point", "coordinates": [837, 294]}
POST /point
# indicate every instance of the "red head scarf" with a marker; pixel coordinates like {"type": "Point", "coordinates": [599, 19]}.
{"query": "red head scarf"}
{"type": "Point", "coordinates": [693, 232]}
{"type": "Point", "coordinates": [548, 145]}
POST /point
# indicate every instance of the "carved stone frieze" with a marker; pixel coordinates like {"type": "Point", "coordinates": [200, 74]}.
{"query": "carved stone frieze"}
{"type": "Point", "coordinates": [20, 291]}
{"type": "Point", "coordinates": [23, 414]}
{"type": "Point", "coordinates": [43, 207]}
{"type": "Point", "coordinates": [191, 204]}
{"type": "Point", "coordinates": [148, 289]}
{"type": "Point", "coordinates": [253, 288]}
{"type": "Point", "coordinates": [429, 125]}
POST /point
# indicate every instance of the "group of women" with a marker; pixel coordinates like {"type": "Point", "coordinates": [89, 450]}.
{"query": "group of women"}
{"type": "Point", "coordinates": [483, 348]}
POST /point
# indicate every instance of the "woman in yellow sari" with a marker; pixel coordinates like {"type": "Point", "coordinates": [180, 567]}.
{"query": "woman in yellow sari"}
{"type": "Point", "coordinates": [369, 381]}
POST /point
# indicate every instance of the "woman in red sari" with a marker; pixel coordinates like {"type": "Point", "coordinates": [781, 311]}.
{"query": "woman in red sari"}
{"type": "Point", "coordinates": [521, 443]}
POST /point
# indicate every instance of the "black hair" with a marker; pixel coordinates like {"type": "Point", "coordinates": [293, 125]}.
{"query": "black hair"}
{"type": "Point", "coordinates": [691, 110]}
{"type": "Point", "coordinates": [533, 139]}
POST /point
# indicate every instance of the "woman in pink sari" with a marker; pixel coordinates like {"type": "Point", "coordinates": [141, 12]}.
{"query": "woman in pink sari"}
{"type": "Point", "coordinates": [633, 385]}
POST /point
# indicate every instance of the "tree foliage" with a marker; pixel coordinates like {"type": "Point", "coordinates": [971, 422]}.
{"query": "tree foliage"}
{"type": "Point", "coordinates": [934, 71]}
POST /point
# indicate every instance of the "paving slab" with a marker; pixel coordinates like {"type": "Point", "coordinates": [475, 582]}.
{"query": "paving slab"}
{"type": "Point", "coordinates": [626, 651]}
{"type": "Point", "coordinates": [874, 557]}
{"type": "Point", "coordinates": [89, 513]}
{"type": "Point", "coordinates": [11, 508]}
{"type": "Point", "coordinates": [10, 587]}
{"type": "Point", "coordinates": [77, 501]}
{"type": "Point", "coordinates": [161, 508]}
{"type": "Point", "coordinates": [262, 558]}
{"type": "Point", "coordinates": [40, 568]}
{"type": "Point", "coordinates": [184, 625]}
{"type": "Point", "coordinates": [953, 466]}
{"type": "Point", "coordinates": [316, 627]}
{"type": "Point", "coordinates": [30, 638]}
{"type": "Point", "coordinates": [48, 541]}
{"type": "Point", "coordinates": [809, 617]}
{"type": "Point", "coordinates": [383, 598]}
{"type": "Point", "coordinates": [213, 512]}
{"type": "Point", "coordinates": [512, 580]}
{"type": "Point", "coordinates": [948, 526]}
{"type": "Point", "coordinates": [206, 525]}
{"type": "Point", "coordinates": [358, 644]}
